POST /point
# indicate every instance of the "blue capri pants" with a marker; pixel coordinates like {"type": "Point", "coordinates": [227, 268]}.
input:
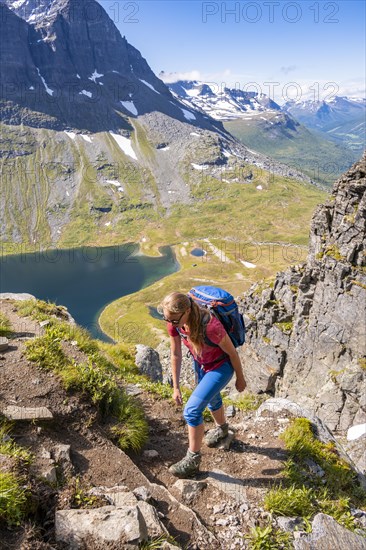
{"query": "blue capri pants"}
{"type": "Point", "coordinates": [207, 392]}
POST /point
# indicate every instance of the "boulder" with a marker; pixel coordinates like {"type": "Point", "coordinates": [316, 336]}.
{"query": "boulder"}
{"type": "Point", "coordinates": [122, 525]}
{"type": "Point", "coordinates": [4, 343]}
{"type": "Point", "coordinates": [188, 489]}
{"type": "Point", "coordinates": [12, 412]}
{"type": "Point", "coordinates": [147, 359]}
{"type": "Point", "coordinates": [327, 534]}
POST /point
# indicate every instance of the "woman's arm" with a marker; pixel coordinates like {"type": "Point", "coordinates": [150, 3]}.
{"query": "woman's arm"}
{"type": "Point", "coordinates": [176, 362]}
{"type": "Point", "coordinates": [228, 347]}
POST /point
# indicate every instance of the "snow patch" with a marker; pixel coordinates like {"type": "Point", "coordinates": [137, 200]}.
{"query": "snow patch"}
{"type": "Point", "coordinates": [107, 223]}
{"type": "Point", "coordinates": [48, 90]}
{"type": "Point", "coordinates": [165, 148]}
{"type": "Point", "coordinates": [199, 166]}
{"type": "Point", "coordinates": [87, 138]}
{"type": "Point", "coordinates": [78, 76]}
{"type": "Point", "coordinates": [354, 432]}
{"type": "Point", "coordinates": [248, 264]}
{"type": "Point", "coordinates": [85, 92]}
{"type": "Point", "coordinates": [125, 144]}
{"type": "Point", "coordinates": [188, 115]}
{"type": "Point", "coordinates": [130, 106]}
{"type": "Point", "coordinates": [71, 135]}
{"type": "Point", "coordinates": [194, 134]}
{"type": "Point", "coordinates": [149, 86]}
{"type": "Point", "coordinates": [116, 184]}
{"type": "Point", "coordinates": [31, 87]}
{"type": "Point", "coordinates": [95, 75]}
{"type": "Point", "coordinates": [259, 187]}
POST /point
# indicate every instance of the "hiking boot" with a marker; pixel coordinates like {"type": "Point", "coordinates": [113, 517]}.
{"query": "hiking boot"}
{"type": "Point", "coordinates": [188, 466]}
{"type": "Point", "coordinates": [214, 436]}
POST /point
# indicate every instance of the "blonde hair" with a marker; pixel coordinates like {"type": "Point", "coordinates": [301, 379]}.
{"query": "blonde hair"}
{"type": "Point", "coordinates": [176, 302]}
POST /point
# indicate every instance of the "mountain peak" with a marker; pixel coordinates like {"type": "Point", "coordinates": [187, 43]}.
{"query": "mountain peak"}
{"type": "Point", "coordinates": [73, 60]}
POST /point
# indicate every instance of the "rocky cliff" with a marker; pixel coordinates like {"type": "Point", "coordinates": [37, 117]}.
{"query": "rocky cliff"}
{"type": "Point", "coordinates": [307, 328]}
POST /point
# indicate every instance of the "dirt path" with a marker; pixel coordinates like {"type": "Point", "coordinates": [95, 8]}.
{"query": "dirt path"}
{"type": "Point", "coordinates": [235, 479]}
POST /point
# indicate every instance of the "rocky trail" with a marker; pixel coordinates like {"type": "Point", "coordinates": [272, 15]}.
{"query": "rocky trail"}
{"type": "Point", "coordinates": [89, 494]}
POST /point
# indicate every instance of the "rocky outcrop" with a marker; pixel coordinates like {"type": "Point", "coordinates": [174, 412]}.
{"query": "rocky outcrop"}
{"type": "Point", "coordinates": [327, 533]}
{"type": "Point", "coordinates": [307, 328]}
{"type": "Point", "coordinates": [148, 362]}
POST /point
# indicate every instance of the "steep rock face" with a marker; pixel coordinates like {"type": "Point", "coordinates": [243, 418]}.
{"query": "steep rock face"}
{"type": "Point", "coordinates": [307, 329]}
{"type": "Point", "coordinates": [62, 60]}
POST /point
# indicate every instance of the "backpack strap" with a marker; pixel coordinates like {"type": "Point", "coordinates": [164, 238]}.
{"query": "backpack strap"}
{"type": "Point", "coordinates": [207, 341]}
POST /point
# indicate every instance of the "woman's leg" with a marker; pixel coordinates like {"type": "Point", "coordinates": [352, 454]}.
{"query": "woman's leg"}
{"type": "Point", "coordinates": [209, 386]}
{"type": "Point", "coordinates": [206, 393]}
{"type": "Point", "coordinates": [219, 416]}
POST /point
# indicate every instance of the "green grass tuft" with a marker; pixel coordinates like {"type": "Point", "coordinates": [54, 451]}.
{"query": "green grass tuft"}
{"type": "Point", "coordinates": [40, 310]}
{"type": "Point", "coordinates": [290, 501]}
{"type": "Point", "coordinates": [319, 480]}
{"type": "Point", "coordinates": [13, 499]}
{"type": "Point", "coordinates": [97, 379]}
{"type": "Point", "coordinates": [246, 401]}
{"type": "Point", "coordinates": [5, 326]}
{"type": "Point", "coordinates": [9, 448]}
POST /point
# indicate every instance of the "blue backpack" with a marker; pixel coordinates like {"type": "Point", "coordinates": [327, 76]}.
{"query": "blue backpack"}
{"type": "Point", "coordinates": [223, 306]}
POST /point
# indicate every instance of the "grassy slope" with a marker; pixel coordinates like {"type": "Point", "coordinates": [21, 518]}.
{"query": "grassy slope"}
{"type": "Point", "coordinates": [232, 215]}
{"type": "Point", "coordinates": [319, 158]}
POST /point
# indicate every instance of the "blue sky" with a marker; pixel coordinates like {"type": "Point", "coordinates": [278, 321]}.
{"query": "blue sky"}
{"type": "Point", "coordinates": [303, 49]}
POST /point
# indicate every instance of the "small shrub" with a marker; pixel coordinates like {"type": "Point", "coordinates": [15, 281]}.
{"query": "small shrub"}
{"type": "Point", "coordinates": [268, 538]}
{"type": "Point", "coordinates": [13, 499]}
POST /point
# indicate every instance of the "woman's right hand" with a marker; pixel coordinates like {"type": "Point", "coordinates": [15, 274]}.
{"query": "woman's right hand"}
{"type": "Point", "coordinates": [177, 396]}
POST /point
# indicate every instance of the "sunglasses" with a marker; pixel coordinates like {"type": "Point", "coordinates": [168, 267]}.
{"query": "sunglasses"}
{"type": "Point", "coordinates": [174, 322]}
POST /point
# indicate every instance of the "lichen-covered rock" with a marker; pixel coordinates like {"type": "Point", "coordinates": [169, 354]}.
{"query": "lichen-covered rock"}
{"type": "Point", "coordinates": [319, 359]}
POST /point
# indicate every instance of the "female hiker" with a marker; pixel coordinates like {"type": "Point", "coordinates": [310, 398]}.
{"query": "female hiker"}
{"type": "Point", "coordinates": [214, 366]}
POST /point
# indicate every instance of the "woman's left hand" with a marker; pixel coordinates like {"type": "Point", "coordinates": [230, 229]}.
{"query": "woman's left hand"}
{"type": "Point", "coordinates": [240, 383]}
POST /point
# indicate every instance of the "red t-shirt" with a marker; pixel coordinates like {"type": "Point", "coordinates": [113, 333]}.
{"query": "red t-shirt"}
{"type": "Point", "coordinates": [211, 357]}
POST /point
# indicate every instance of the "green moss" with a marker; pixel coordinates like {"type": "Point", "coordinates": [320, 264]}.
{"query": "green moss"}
{"type": "Point", "coordinates": [266, 340]}
{"type": "Point", "coordinates": [362, 362]}
{"type": "Point", "coordinates": [333, 252]}
{"type": "Point", "coordinates": [285, 326]}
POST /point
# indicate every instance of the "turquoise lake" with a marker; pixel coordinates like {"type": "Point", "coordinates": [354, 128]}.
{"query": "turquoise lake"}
{"type": "Point", "coordinates": [85, 279]}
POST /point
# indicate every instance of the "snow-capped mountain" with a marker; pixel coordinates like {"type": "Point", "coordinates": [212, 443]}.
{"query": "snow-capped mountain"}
{"type": "Point", "coordinates": [221, 103]}
{"type": "Point", "coordinates": [320, 113]}
{"type": "Point", "coordinates": [61, 60]}
{"type": "Point", "coordinates": [339, 119]}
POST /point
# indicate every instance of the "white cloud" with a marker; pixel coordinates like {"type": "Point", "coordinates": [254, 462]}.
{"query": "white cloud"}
{"type": "Point", "coordinates": [168, 78]}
